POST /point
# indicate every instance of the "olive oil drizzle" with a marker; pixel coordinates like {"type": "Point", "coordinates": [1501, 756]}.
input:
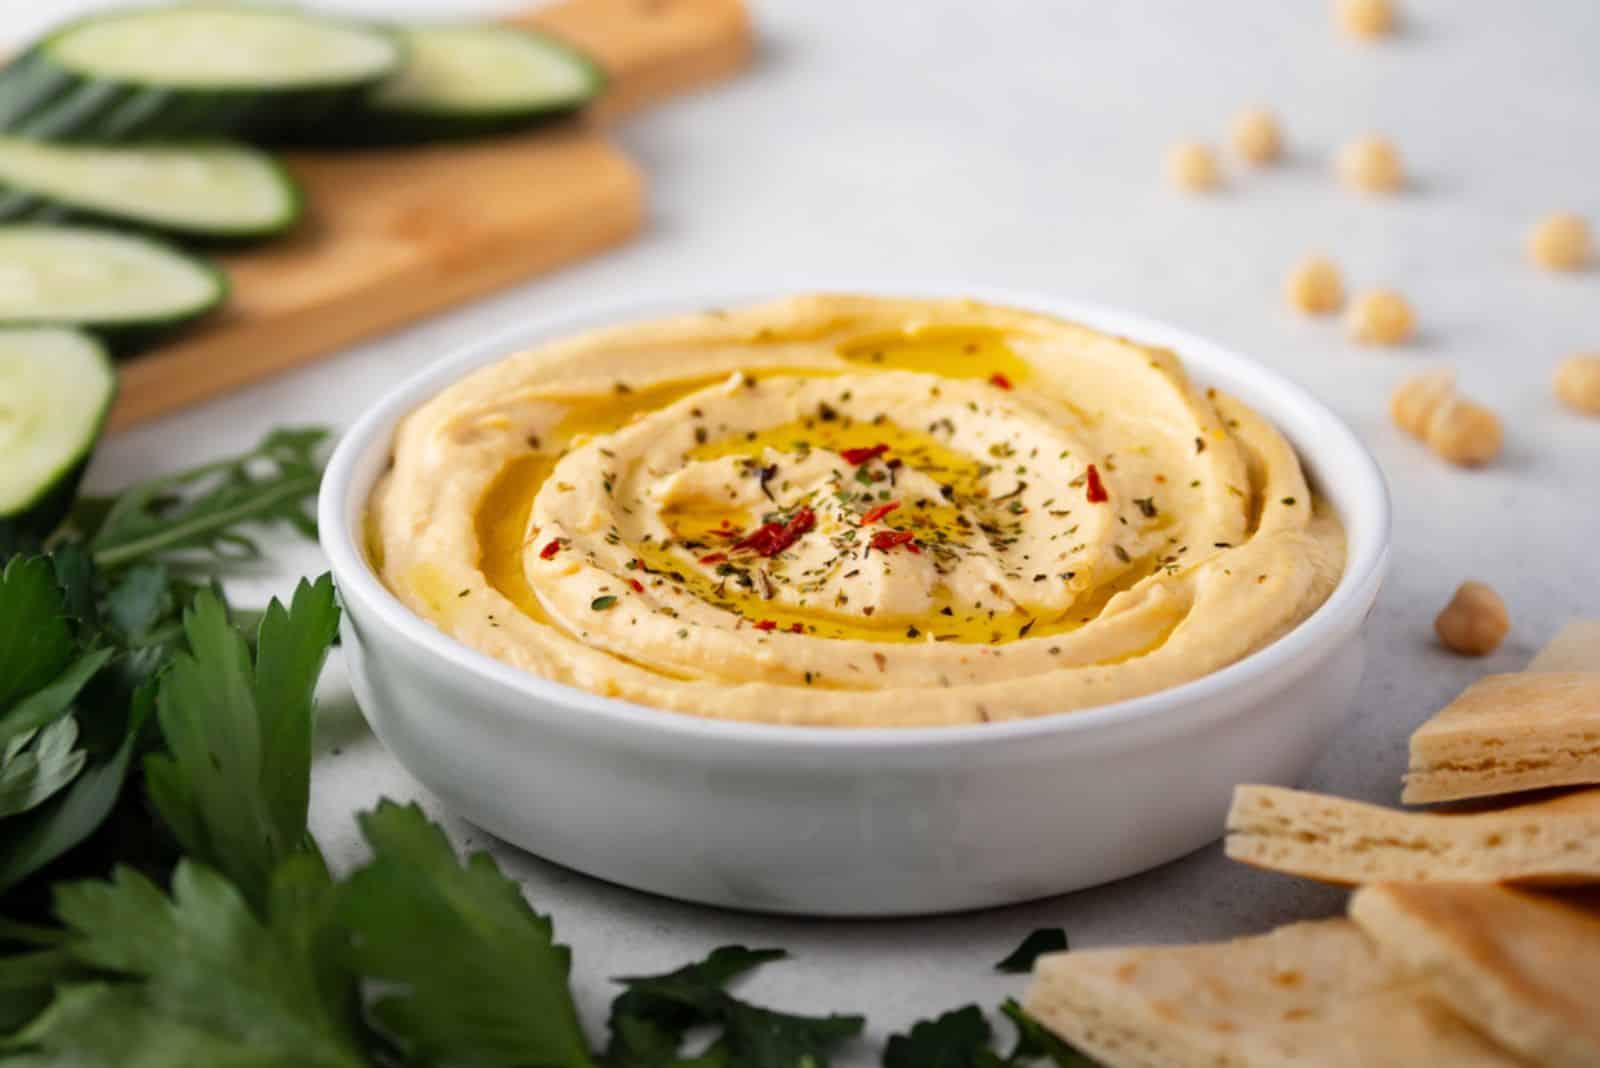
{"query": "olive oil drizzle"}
{"type": "Point", "coordinates": [965, 521]}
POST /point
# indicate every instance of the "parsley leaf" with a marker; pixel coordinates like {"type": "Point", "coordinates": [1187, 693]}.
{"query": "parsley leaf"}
{"type": "Point", "coordinates": [51, 702]}
{"type": "Point", "coordinates": [27, 982]}
{"type": "Point", "coordinates": [957, 1039]}
{"type": "Point", "coordinates": [961, 1039]}
{"type": "Point", "coordinates": [234, 786]}
{"type": "Point", "coordinates": [1041, 941]}
{"type": "Point", "coordinates": [75, 573]}
{"type": "Point", "coordinates": [650, 1019]}
{"type": "Point", "coordinates": [303, 904]}
{"type": "Point", "coordinates": [35, 641]}
{"type": "Point", "coordinates": [647, 1026]}
{"type": "Point", "coordinates": [140, 600]}
{"type": "Point", "coordinates": [212, 985]}
{"type": "Point", "coordinates": [291, 648]}
{"type": "Point", "coordinates": [31, 774]}
{"type": "Point", "coordinates": [104, 1025]}
{"type": "Point", "coordinates": [201, 509]}
{"type": "Point", "coordinates": [478, 979]}
{"type": "Point", "coordinates": [755, 1037]}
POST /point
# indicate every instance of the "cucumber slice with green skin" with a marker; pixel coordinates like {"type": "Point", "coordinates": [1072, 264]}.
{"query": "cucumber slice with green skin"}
{"type": "Point", "coordinates": [124, 287]}
{"type": "Point", "coordinates": [191, 71]}
{"type": "Point", "coordinates": [216, 191]}
{"type": "Point", "coordinates": [466, 80]}
{"type": "Point", "coordinates": [56, 388]}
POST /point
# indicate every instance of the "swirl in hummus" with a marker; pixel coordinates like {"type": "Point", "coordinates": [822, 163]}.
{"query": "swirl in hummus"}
{"type": "Point", "coordinates": [845, 510]}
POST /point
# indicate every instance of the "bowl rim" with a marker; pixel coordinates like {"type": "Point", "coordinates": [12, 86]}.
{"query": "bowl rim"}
{"type": "Point", "coordinates": [1367, 493]}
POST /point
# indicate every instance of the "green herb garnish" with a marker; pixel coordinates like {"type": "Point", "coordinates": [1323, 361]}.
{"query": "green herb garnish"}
{"type": "Point", "coordinates": [962, 1038]}
{"type": "Point", "coordinates": [236, 785]}
{"type": "Point", "coordinates": [1039, 942]}
{"type": "Point", "coordinates": [652, 1018]}
{"type": "Point", "coordinates": [202, 509]}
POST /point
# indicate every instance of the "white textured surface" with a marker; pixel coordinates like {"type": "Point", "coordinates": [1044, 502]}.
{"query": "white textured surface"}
{"type": "Point", "coordinates": [1019, 144]}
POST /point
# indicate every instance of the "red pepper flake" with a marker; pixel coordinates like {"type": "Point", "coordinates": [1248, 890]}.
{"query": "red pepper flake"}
{"type": "Point", "coordinates": [713, 558]}
{"type": "Point", "coordinates": [770, 539]}
{"type": "Point", "coordinates": [872, 515]}
{"type": "Point", "coordinates": [766, 624]}
{"type": "Point", "coordinates": [999, 381]}
{"type": "Point", "coordinates": [857, 457]}
{"type": "Point", "coordinates": [552, 547]}
{"type": "Point", "coordinates": [636, 585]}
{"type": "Point", "coordinates": [797, 628]}
{"type": "Point", "coordinates": [884, 540]}
{"type": "Point", "coordinates": [1097, 489]}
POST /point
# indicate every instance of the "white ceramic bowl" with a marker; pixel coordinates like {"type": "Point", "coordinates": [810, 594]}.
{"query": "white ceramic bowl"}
{"type": "Point", "coordinates": [860, 822]}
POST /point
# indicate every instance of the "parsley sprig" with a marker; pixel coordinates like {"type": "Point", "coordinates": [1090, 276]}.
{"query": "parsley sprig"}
{"type": "Point", "coordinates": [962, 1038]}
{"type": "Point", "coordinates": [473, 975]}
{"type": "Point", "coordinates": [655, 1014]}
{"type": "Point", "coordinates": [196, 977]}
{"type": "Point", "coordinates": [235, 781]}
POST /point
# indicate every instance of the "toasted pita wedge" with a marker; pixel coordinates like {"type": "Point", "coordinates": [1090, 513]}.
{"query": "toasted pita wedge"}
{"type": "Point", "coordinates": [1555, 841]}
{"type": "Point", "coordinates": [1576, 648]}
{"type": "Point", "coordinates": [1524, 968]}
{"type": "Point", "coordinates": [1508, 733]}
{"type": "Point", "coordinates": [1312, 995]}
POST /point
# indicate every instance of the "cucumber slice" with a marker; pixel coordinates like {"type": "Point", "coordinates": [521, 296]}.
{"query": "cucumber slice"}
{"type": "Point", "coordinates": [463, 80]}
{"type": "Point", "coordinates": [221, 47]}
{"type": "Point", "coordinates": [216, 191]}
{"type": "Point", "coordinates": [192, 70]}
{"type": "Point", "coordinates": [124, 287]}
{"type": "Point", "coordinates": [56, 387]}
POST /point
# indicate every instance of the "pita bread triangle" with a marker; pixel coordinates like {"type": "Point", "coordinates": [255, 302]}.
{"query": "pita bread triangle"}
{"type": "Point", "coordinates": [1509, 733]}
{"type": "Point", "coordinates": [1311, 995]}
{"type": "Point", "coordinates": [1523, 967]}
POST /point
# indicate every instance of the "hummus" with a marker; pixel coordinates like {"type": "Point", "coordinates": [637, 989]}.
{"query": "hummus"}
{"type": "Point", "coordinates": [844, 510]}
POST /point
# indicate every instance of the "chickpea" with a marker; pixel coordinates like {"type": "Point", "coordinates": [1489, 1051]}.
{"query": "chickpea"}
{"type": "Point", "coordinates": [1371, 165]}
{"type": "Point", "coordinates": [1382, 317]}
{"type": "Point", "coordinates": [1314, 287]}
{"type": "Point", "coordinates": [1561, 242]}
{"type": "Point", "coordinates": [1365, 18]}
{"type": "Point", "coordinates": [1257, 137]}
{"type": "Point", "coordinates": [1430, 408]}
{"type": "Point", "coordinates": [1191, 166]}
{"type": "Point", "coordinates": [1578, 382]}
{"type": "Point", "coordinates": [1474, 622]}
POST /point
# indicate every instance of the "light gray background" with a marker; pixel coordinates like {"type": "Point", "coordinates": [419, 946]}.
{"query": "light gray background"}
{"type": "Point", "coordinates": [1020, 144]}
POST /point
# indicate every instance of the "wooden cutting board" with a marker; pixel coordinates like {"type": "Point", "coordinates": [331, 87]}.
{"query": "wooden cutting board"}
{"type": "Point", "coordinates": [391, 236]}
